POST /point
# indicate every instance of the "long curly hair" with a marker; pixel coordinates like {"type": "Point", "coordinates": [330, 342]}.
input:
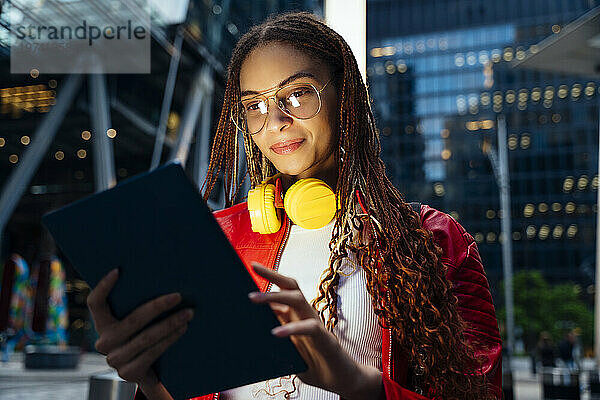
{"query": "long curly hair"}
{"type": "Point", "coordinates": [406, 278]}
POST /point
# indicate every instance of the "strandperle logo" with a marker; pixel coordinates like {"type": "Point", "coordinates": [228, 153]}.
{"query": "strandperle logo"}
{"type": "Point", "coordinates": [82, 32]}
{"type": "Point", "coordinates": [95, 36]}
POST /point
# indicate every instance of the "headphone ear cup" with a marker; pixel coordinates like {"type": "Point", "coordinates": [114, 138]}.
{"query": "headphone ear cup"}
{"type": "Point", "coordinates": [264, 216]}
{"type": "Point", "coordinates": [310, 203]}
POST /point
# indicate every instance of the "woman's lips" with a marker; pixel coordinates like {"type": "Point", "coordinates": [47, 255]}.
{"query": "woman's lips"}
{"type": "Point", "coordinates": [287, 146]}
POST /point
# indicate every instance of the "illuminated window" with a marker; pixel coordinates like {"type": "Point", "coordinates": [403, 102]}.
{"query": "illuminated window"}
{"type": "Point", "coordinates": [582, 182]}
{"type": "Point", "coordinates": [513, 141]}
{"type": "Point", "coordinates": [516, 235]}
{"type": "Point", "coordinates": [401, 65]}
{"type": "Point", "coordinates": [483, 57]}
{"type": "Point", "coordinates": [111, 133]}
{"type": "Point", "coordinates": [523, 95]}
{"type": "Point", "coordinates": [590, 89]}
{"type": "Point", "coordinates": [530, 231]}
{"type": "Point", "coordinates": [528, 210]}
{"type": "Point", "coordinates": [508, 54]}
{"type": "Point", "coordinates": [556, 118]}
{"type": "Point", "coordinates": [485, 98]}
{"type": "Point", "coordinates": [536, 94]}
{"type": "Point", "coordinates": [542, 207]}
{"type": "Point", "coordinates": [478, 237]}
{"type": "Point", "coordinates": [525, 141]}
{"type": "Point", "coordinates": [459, 59]}
{"type": "Point", "coordinates": [81, 153]}
{"type": "Point", "coordinates": [594, 182]}
{"type": "Point", "coordinates": [555, 28]}
{"type": "Point", "coordinates": [576, 91]}
{"type": "Point", "coordinates": [496, 55]}
{"type": "Point", "coordinates": [570, 207]}
{"type": "Point", "coordinates": [544, 231]}
{"type": "Point", "coordinates": [557, 232]}
{"type": "Point", "coordinates": [446, 154]}
{"type": "Point", "coordinates": [556, 207]}
{"type": "Point", "coordinates": [13, 158]}
{"type": "Point", "coordinates": [86, 135]}
{"type": "Point", "coordinates": [376, 52]}
{"type": "Point", "coordinates": [438, 189]}
{"type": "Point", "coordinates": [563, 91]}
{"type": "Point", "coordinates": [388, 51]}
{"type": "Point", "coordinates": [59, 155]}
{"type": "Point", "coordinates": [568, 184]}
{"type": "Point", "coordinates": [471, 58]}
{"type": "Point", "coordinates": [390, 68]}
{"type": "Point", "coordinates": [490, 237]}
{"type": "Point", "coordinates": [510, 96]}
{"type": "Point", "coordinates": [572, 231]}
{"type": "Point", "coordinates": [2, 142]}
{"type": "Point", "coordinates": [25, 140]}
{"type": "Point", "coordinates": [490, 214]}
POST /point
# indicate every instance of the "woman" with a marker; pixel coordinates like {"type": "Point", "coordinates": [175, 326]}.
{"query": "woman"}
{"type": "Point", "coordinates": [402, 309]}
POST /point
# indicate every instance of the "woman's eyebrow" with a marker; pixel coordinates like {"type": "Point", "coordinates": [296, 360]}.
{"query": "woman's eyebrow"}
{"type": "Point", "coordinates": [300, 74]}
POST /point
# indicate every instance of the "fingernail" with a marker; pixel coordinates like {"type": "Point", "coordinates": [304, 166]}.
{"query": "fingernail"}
{"type": "Point", "coordinates": [114, 272]}
{"type": "Point", "coordinates": [278, 331]}
{"type": "Point", "coordinates": [253, 295]}
{"type": "Point", "coordinates": [186, 315]}
{"type": "Point", "coordinates": [173, 298]}
{"type": "Point", "coordinates": [256, 265]}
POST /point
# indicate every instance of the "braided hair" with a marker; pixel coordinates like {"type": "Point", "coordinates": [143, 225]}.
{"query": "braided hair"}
{"type": "Point", "coordinates": [406, 278]}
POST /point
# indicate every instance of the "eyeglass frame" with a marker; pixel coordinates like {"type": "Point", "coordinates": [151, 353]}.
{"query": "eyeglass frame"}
{"type": "Point", "coordinates": [274, 97]}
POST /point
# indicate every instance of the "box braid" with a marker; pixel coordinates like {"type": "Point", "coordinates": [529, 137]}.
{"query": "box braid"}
{"type": "Point", "coordinates": [405, 275]}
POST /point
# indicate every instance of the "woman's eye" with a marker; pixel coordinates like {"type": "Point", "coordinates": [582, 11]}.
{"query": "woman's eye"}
{"type": "Point", "coordinates": [252, 106]}
{"type": "Point", "coordinates": [299, 92]}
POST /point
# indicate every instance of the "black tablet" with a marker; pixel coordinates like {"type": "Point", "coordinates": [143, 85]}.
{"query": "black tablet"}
{"type": "Point", "coordinates": [157, 229]}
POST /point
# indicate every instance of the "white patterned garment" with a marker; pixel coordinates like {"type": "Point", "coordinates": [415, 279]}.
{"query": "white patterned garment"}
{"type": "Point", "coordinates": [305, 257]}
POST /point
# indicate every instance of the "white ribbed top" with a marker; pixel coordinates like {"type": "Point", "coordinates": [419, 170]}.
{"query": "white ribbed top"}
{"type": "Point", "coordinates": [304, 258]}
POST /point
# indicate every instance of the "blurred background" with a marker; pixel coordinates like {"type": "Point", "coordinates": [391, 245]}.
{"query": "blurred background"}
{"type": "Point", "coordinates": [441, 74]}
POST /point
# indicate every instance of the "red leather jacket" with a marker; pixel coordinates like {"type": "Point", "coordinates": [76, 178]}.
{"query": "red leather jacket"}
{"type": "Point", "coordinates": [465, 271]}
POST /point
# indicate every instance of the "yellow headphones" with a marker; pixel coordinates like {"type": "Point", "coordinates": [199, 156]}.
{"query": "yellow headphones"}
{"type": "Point", "coordinates": [310, 203]}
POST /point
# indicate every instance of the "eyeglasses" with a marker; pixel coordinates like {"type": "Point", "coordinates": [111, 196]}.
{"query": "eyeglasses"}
{"type": "Point", "coordinates": [297, 100]}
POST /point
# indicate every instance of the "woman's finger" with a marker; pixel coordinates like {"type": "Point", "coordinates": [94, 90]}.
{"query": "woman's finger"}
{"type": "Point", "coordinates": [282, 281]}
{"type": "Point", "coordinates": [310, 327]}
{"type": "Point", "coordinates": [144, 314]}
{"type": "Point", "coordinates": [96, 300]}
{"type": "Point", "coordinates": [148, 338]}
{"type": "Point", "coordinates": [292, 298]}
{"type": "Point", "coordinates": [279, 308]}
{"type": "Point", "coordinates": [121, 331]}
{"type": "Point", "coordinates": [134, 370]}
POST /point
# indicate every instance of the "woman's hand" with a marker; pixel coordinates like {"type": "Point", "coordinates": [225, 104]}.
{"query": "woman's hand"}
{"type": "Point", "coordinates": [130, 346]}
{"type": "Point", "coordinates": [329, 366]}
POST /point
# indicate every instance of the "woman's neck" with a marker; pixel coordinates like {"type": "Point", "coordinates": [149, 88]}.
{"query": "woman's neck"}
{"type": "Point", "coordinates": [328, 175]}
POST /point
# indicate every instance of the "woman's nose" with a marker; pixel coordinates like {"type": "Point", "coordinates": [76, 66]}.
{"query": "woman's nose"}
{"type": "Point", "coordinates": [277, 120]}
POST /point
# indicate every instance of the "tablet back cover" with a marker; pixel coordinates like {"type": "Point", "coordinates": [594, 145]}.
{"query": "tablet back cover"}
{"type": "Point", "coordinates": [158, 231]}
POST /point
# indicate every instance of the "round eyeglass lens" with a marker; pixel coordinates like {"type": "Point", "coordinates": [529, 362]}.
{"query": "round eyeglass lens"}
{"type": "Point", "coordinates": [300, 101]}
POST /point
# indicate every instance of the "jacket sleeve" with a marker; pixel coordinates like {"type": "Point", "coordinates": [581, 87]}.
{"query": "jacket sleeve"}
{"type": "Point", "coordinates": [393, 391]}
{"type": "Point", "coordinates": [470, 286]}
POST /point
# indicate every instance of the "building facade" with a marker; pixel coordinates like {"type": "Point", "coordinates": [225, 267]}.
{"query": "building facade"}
{"type": "Point", "coordinates": [440, 74]}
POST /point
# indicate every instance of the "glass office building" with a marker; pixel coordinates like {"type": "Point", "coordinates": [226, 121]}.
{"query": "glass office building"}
{"type": "Point", "coordinates": [440, 74]}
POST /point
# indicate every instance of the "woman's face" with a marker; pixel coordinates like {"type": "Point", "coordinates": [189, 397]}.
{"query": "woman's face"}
{"type": "Point", "coordinates": [298, 148]}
